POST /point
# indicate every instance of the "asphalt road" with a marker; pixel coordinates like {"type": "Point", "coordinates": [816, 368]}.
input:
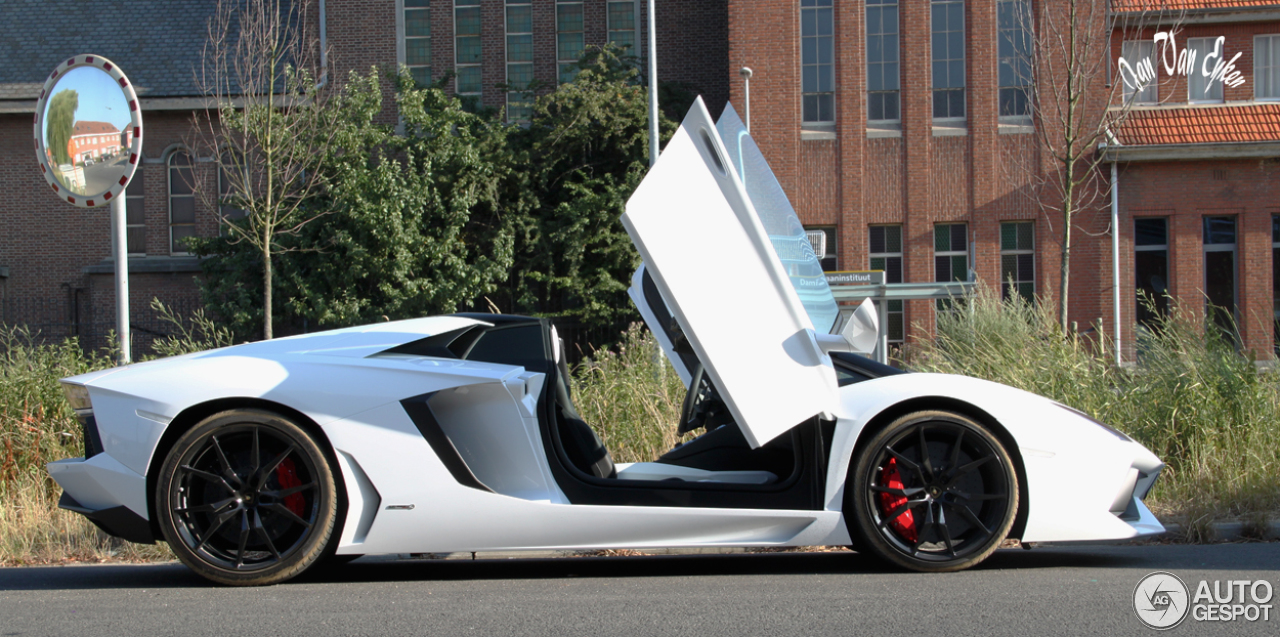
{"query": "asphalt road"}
{"type": "Point", "coordinates": [1046, 591]}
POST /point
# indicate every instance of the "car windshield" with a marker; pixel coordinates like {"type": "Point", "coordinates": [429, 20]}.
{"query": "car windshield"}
{"type": "Point", "coordinates": [780, 221]}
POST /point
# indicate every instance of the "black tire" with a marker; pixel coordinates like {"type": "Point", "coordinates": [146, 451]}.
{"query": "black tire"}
{"type": "Point", "coordinates": [945, 509]}
{"type": "Point", "coordinates": [247, 498]}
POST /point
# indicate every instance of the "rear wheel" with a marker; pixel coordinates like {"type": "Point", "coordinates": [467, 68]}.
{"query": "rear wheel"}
{"type": "Point", "coordinates": [933, 491]}
{"type": "Point", "coordinates": [247, 498]}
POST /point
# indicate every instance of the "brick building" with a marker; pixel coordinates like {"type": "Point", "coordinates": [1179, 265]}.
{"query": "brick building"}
{"type": "Point", "coordinates": [56, 270]}
{"type": "Point", "coordinates": [893, 126]}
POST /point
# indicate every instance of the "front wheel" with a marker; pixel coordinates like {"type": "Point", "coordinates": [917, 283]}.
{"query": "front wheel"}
{"type": "Point", "coordinates": [247, 498]}
{"type": "Point", "coordinates": [934, 491]}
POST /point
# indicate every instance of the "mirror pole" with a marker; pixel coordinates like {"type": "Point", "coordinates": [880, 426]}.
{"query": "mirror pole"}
{"type": "Point", "coordinates": [120, 248]}
{"type": "Point", "coordinates": [882, 339]}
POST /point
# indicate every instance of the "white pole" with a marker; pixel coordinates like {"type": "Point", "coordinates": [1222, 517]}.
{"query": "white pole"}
{"type": "Point", "coordinates": [653, 86]}
{"type": "Point", "coordinates": [120, 250]}
{"type": "Point", "coordinates": [745, 72]}
{"type": "Point", "coordinates": [1115, 254]}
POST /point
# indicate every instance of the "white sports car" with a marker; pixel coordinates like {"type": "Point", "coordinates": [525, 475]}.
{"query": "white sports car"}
{"type": "Point", "coordinates": [458, 433]}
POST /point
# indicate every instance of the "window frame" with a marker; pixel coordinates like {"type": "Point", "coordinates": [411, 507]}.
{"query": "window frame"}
{"type": "Point", "coordinates": [136, 197]}
{"type": "Point", "coordinates": [169, 169]}
{"type": "Point", "coordinates": [633, 48]}
{"type": "Point", "coordinates": [1198, 76]}
{"type": "Point", "coordinates": [896, 36]}
{"type": "Point", "coordinates": [405, 8]}
{"type": "Point", "coordinates": [561, 63]}
{"type": "Point", "coordinates": [815, 8]}
{"type": "Point", "coordinates": [517, 99]}
{"type": "Point", "coordinates": [1215, 248]}
{"type": "Point", "coordinates": [471, 99]}
{"type": "Point", "coordinates": [893, 307]}
{"type": "Point", "coordinates": [1161, 304]}
{"type": "Point", "coordinates": [1017, 252]}
{"type": "Point", "coordinates": [950, 118]}
{"type": "Point", "coordinates": [1021, 14]}
{"type": "Point", "coordinates": [1259, 70]}
{"type": "Point", "coordinates": [1140, 97]}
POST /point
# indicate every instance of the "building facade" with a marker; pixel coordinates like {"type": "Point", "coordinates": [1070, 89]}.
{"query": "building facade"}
{"type": "Point", "coordinates": [897, 127]}
{"type": "Point", "coordinates": [56, 270]}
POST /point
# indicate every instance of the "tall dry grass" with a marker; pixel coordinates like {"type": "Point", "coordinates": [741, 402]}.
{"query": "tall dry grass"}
{"type": "Point", "coordinates": [37, 426]}
{"type": "Point", "coordinates": [630, 398]}
{"type": "Point", "coordinates": [1208, 410]}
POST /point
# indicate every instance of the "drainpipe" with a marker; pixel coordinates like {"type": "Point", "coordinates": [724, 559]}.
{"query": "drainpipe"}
{"type": "Point", "coordinates": [653, 86]}
{"type": "Point", "coordinates": [324, 50]}
{"type": "Point", "coordinates": [1115, 243]}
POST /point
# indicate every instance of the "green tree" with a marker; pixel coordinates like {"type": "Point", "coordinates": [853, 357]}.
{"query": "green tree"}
{"type": "Point", "coordinates": [414, 224]}
{"type": "Point", "coordinates": [60, 123]}
{"type": "Point", "coordinates": [583, 154]}
{"type": "Point", "coordinates": [271, 126]}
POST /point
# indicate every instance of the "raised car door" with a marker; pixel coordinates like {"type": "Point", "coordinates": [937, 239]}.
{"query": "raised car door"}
{"type": "Point", "coordinates": [711, 259]}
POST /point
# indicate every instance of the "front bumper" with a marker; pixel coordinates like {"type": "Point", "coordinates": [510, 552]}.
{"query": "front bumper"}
{"type": "Point", "coordinates": [117, 521]}
{"type": "Point", "coordinates": [110, 494]}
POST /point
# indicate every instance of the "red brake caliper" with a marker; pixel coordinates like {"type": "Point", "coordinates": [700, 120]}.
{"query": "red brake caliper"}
{"type": "Point", "coordinates": [287, 475]}
{"type": "Point", "coordinates": [905, 523]}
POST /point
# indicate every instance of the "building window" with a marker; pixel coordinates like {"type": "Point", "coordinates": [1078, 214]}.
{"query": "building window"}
{"type": "Point", "coordinates": [135, 221]}
{"type": "Point", "coordinates": [1151, 266]}
{"type": "Point", "coordinates": [569, 42]}
{"type": "Point", "coordinates": [1015, 57]}
{"type": "Point", "coordinates": [227, 187]}
{"type": "Point", "coordinates": [886, 255]}
{"type": "Point", "coordinates": [519, 60]}
{"type": "Point", "coordinates": [1199, 87]}
{"type": "Point", "coordinates": [1017, 260]}
{"type": "Point", "coordinates": [817, 44]}
{"type": "Point", "coordinates": [467, 51]}
{"type": "Point", "coordinates": [417, 39]}
{"type": "Point", "coordinates": [182, 202]}
{"type": "Point", "coordinates": [948, 59]}
{"type": "Point", "coordinates": [1138, 52]}
{"type": "Point", "coordinates": [1266, 67]}
{"type": "Point", "coordinates": [1275, 277]}
{"type": "Point", "coordinates": [1220, 271]}
{"type": "Point", "coordinates": [882, 61]}
{"type": "Point", "coordinates": [823, 241]}
{"type": "Point", "coordinates": [622, 24]}
{"type": "Point", "coordinates": [950, 252]}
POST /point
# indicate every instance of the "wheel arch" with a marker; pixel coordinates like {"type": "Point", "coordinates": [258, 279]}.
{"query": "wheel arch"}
{"type": "Point", "coordinates": [921, 403]}
{"type": "Point", "coordinates": [193, 415]}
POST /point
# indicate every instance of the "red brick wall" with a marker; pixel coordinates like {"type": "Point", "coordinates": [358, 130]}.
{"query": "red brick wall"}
{"type": "Point", "coordinates": [983, 177]}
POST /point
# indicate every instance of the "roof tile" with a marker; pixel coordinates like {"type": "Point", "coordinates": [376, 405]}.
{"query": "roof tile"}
{"type": "Point", "coordinates": [1202, 125]}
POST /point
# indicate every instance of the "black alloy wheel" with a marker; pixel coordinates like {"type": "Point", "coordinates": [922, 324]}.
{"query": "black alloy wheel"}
{"type": "Point", "coordinates": [933, 491]}
{"type": "Point", "coordinates": [247, 498]}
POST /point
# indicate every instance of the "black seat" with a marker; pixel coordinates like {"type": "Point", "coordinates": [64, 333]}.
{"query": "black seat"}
{"type": "Point", "coordinates": [580, 442]}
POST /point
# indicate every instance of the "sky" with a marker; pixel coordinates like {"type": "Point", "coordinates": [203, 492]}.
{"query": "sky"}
{"type": "Point", "coordinates": [101, 98]}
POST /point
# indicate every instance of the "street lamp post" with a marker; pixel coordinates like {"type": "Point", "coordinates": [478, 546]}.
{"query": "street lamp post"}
{"type": "Point", "coordinates": [745, 72]}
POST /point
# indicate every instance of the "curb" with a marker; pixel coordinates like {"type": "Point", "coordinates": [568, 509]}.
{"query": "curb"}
{"type": "Point", "coordinates": [1217, 532]}
{"type": "Point", "coordinates": [1229, 531]}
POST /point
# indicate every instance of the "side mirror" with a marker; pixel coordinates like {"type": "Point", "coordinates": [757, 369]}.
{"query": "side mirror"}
{"type": "Point", "coordinates": [862, 330]}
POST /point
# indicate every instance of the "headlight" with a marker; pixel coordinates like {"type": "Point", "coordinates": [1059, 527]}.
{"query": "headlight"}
{"type": "Point", "coordinates": [78, 396]}
{"type": "Point", "coordinates": [1095, 421]}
